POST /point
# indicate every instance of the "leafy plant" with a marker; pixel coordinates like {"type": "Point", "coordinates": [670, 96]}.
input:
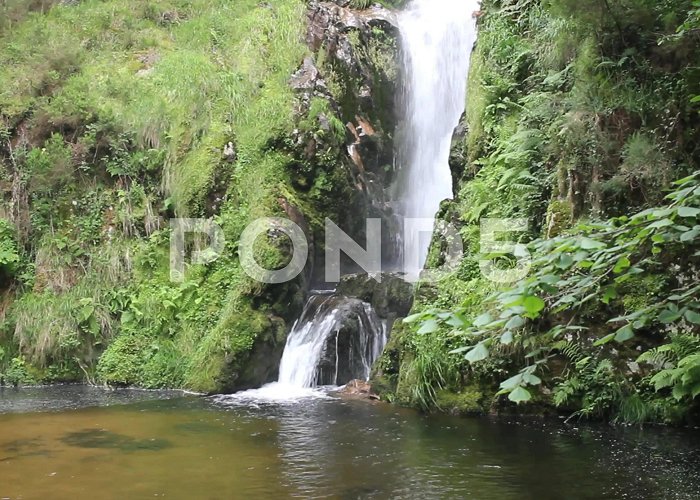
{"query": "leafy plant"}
{"type": "Point", "coordinates": [575, 274]}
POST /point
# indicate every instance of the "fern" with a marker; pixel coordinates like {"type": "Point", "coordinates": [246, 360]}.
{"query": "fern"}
{"type": "Point", "coordinates": [679, 365]}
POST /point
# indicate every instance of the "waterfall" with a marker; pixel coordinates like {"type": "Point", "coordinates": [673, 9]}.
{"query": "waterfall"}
{"type": "Point", "coordinates": [437, 37]}
{"type": "Point", "coordinates": [335, 340]}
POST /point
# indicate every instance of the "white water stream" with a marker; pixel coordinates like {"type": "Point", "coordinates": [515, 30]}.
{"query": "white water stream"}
{"type": "Point", "coordinates": [316, 336]}
{"type": "Point", "coordinates": [437, 37]}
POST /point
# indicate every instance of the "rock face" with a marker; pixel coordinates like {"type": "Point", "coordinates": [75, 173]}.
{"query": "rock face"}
{"type": "Point", "coordinates": [341, 159]}
{"type": "Point", "coordinates": [391, 298]}
{"type": "Point", "coordinates": [366, 311]}
{"type": "Point", "coordinates": [355, 71]}
{"type": "Point", "coordinates": [357, 340]}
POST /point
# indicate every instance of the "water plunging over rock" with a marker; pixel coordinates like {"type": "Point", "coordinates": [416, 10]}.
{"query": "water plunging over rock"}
{"type": "Point", "coordinates": [336, 339]}
{"type": "Point", "coordinates": [340, 335]}
{"type": "Point", "coordinates": [437, 37]}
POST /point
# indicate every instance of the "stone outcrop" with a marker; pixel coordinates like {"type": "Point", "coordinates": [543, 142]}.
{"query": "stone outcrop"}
{"type": "Point", "coordinates": [357, 389]}
{"type": "Point", "coordinates": [392, 297]}
{"type": "Point", "coordinates": [348, 351]}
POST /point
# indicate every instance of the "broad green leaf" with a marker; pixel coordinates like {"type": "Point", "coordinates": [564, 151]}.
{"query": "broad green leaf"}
{"type": "Point", "coordinates": [512, 382]}
{"type": "Point", "coordinates": [660, 223]}
{"type": "Point", "coordinates": [532, 379]}
{"type": "Point", "coordinates": [478, 353]}
{"type": "Point", "coordinates": [520, 395]}
{"type": "Point", "coordinates": [605, 340]}
{"type": "Point", "coordinates": [622, 265]}
{"type": "Point", "coordinates": [565, 261]}
{"type": "Point", "coordinates": [533, 305]}
{"type": "Point", "coordinates": [624, 334]}
{"type": "Point", "coordinates": [482, 320]}
{"type": "Point", "coordinates": [590, 244]}
{"type": "Point", "coordinates": [515, 322]}
{"type": "Point", "coordinates": [669, 316]}
{"type": "Point", "coordinates": [692, 316]}
{"type": "Point", "coordinates": [610, 293]}
{"type": "Point", "coordinates": [429, 326]}
{"type": "Point", "coordinates": [457, 321]}
{"type": "Point", "coordinates": [690, 235]}
{"type": "Point", "coordinates": [413, 318]}
{"type": "Point", "coordinates": [507, 338]}
{"type": "Point", "coordinates": [688, 211]}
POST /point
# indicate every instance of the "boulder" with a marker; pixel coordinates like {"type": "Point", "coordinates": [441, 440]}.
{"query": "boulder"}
{"type": "Point", "coordinates": [392, 297]}
{"type": "Point", "coordinates": [350, 350]}
{"type": "Point", "coordinates": [357, 389]}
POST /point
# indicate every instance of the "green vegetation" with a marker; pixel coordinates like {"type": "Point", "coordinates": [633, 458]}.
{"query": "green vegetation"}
{"type": "Point", "coordinates": [115, 122]}
{"type": "Point", "coordinates": [582, 120]}
{"type": "Point", "coordinates": [581, 115]}
{"type": "Point", "coordinates": [125, 115]}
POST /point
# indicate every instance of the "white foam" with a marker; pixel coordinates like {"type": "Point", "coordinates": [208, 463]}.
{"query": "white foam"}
{"type": "Point", "coordinates": [276, 393]}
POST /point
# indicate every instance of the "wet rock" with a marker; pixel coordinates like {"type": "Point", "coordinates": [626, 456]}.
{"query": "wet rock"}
{"type": "Point", "coordinates": [391, 298]}
{"type": "Point", "coordinates": [261, 363]}
{"type": "Point", "coordinates": [327, 20]}
{"type": "Point", "coordinates": [358, 389]}
{"type": "Point", "coordinates": [357, 341]}
{"type": "Point", "coordinates": [458, 154]}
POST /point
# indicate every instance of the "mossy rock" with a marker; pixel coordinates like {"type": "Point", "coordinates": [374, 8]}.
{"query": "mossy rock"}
{"type": "Point", "coordinates": [560, 215]}
{"type": "Point", "coordinates": [468, 401]}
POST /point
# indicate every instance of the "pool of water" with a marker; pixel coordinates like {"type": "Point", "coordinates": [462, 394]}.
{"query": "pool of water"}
{"type": "Point", "coordinates": [88, 443]}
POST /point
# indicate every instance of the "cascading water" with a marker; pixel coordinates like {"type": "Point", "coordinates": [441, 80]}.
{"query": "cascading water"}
{"type": "Point", "coordinates": [335, 340]}
{"type": "Point", "coordinates": [437, 37]}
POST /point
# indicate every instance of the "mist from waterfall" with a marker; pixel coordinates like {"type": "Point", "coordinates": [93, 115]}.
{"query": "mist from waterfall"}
{"type": "Point", "coordinates": [437, 37]}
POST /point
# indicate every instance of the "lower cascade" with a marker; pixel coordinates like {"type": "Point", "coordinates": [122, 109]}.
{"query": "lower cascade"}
{"type": "Point", "coordinates": [336, 339]}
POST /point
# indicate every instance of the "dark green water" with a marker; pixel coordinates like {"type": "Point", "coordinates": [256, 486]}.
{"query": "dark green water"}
{"type": "Point", "coordinates": [139, 445]}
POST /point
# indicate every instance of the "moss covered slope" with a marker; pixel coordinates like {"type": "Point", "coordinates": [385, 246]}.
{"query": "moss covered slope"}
{"type": "Point", "coordinates": [116, 116]}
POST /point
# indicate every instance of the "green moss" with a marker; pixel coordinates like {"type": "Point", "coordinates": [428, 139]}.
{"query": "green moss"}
{"type": "Point", "coordinates": [468, 401]}
{"type": "Point", "coordinates": [220, 357]}
{"type": "Point", "coordinates": [642, 291]}
{"type": "Point", "coordinates": [559, 217]}
{"type": "Point", "coordinates": [122, 363]}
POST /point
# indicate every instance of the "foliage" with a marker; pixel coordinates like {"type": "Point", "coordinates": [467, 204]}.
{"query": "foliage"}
{"type": "Point", "coordinates": [9, 253]}
{"type": "Point", "coordinates": [114, 123]}
{"type": "Point", "coordinates": [577, 112]}
{"type": "Point", "coordinates": [579, 277]}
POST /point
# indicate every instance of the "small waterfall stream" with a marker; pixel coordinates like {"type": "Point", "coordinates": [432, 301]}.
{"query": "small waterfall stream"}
{"type": "Point", "coordinates": [337, 338]}
{"type": "Point", "coordinates": [437, 37]}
